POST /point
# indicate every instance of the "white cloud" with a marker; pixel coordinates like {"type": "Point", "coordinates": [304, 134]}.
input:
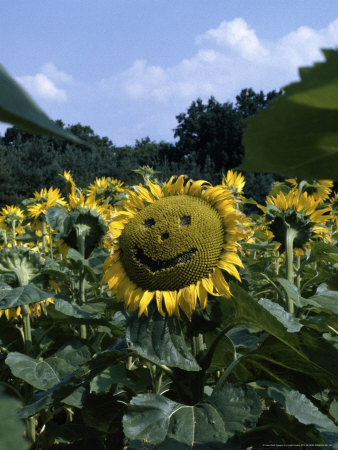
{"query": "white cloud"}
{"type": "Point", "coordinates": [228, 59]}
{"type": "Point", "coordinates": [237, 36]}
{"type": "Point", "coordinates": [56, 75]}
{"type": "Point", "coordinates": [44, 84]}
{"type": "Point", "coordinates": [41, 87]}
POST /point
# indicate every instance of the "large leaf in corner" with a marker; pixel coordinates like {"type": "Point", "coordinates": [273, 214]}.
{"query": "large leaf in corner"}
{"type": "Point", "coordinates": [18, 108]}
{"type": "Point", "coordinates": [210, 424]}
{"type": "Point", "coordinates": [298, 134]}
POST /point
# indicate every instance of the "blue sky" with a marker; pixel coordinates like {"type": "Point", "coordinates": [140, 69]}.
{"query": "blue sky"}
{"type": "Point", "coordinates": [128, 67]}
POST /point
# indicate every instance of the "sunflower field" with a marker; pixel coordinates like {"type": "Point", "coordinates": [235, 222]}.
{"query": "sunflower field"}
{"type": "Point", "coordinates": [160, 315]}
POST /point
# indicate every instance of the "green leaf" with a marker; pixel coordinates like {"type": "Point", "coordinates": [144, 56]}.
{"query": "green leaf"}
{"type": "Point", "coordinates": [66, 432]}
{"type": "Point", "coordinates": [325, 299]}
{"type": "Point", "coordinates": [25, 295]}
{"type": "Point", "coordinates": [153, 418]}
{"type": "Point", "coordinates": [102, 412]}
{"type": "Point", "coordinates": [242, 309]}
{"type": "Point", "coordinates": [292, 292]}
{"type": "Point", "coordinates": [17, 108]}
{"type": "Point", "coordinates": [320, 251]}
{"type": "Point", "coordinates": [72, 309]}
{"type": "Point", "coordinates": [298, 135]}
{"type": "Point", "coordinates": [291, 323]}
{"type": "Point", "coordinates": [55, 217]}
{"type": "Point", "coordinates": [321, 322]}
{"type": "Point", "coordinates": [69, 384]}
{"type": "Point", "coordinates": [281, 430]}
{"type": "Point", "coordinates": [160, 339]}
{"type": "Point", "coordinates": [299, 406]}
{"type": "Point", "coordinates": [11, 427]}
{"type": "Point", "coordinates": [24, 263]}
{"type": "Point", "coordinates": [306, 353]}
{"type": "Point", "coordinates": [224, 353]}
{"type": "Point", "coordinates": [333, 410]}
{"type": "Point", "coordinates": [40, 374]}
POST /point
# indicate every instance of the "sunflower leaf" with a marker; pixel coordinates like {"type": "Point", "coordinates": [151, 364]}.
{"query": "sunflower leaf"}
{"type": "Point", "coordinates": [299, 406]}
{"type": "Point", "coordinates": [17, 108]}
{"type": "Point", "coordinates": [298, 135]}
{"type": "Point", "coordinates": [153, 418]}
{"type": "Point", "coordinates": [11, 427]}
{"type": "Point", "coordinates": [161, 340]}
{"type": "Point", "coordinates": [80, 377]}
{"type": "Point", "coordinates": [24, 295]}
{"type": "Point", "coordinates": [40, 374]}
{"type": "Point", "coordinates": [291, 323]}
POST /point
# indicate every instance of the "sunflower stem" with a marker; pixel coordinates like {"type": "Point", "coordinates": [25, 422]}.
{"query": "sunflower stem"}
{"type": "Point", "coordinates": [82, 278]}
{"type": "Point", "coordinates": [51, 243]}
{"type": "Point", "coordinates": [44, 233]}
{"type": "Point", "coordinates": [298, 276]}
{"type": "Point", "coordinates": [27, 332]}
{"type": "Point", "coordinates": [277, 261]}
{"type": "Point", "coordinates": [291, 233]}
{"type": "Point", "coordinates": [198, 344]}
{"type": "Point", "coordinates": [13, 233]}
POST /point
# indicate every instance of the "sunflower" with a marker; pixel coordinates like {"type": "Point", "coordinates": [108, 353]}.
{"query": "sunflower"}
{"type": "Point", "coordinates": [70, 185]}
{"type": "Point", "coordinates": [86, 222]}
{"type": "Point", "coordinates": [235, 182]}
{"type": "Point", "coordinates": [317, 189]}
{"type": "Point", "coordinates": [35, 309]}
{"type": "Point", "coordinates": [43, 200]}
{"type": "Point", "coordinates": [298, 211]}
{"type": "Point", "coordinates": [11, 217]}
{"type": "Point", "coordinates": [105, 191]}
{"type": "Point", "coordinates": [171, 243]}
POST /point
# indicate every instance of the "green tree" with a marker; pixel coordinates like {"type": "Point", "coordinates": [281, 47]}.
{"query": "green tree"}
{"type": "Point", "coordinates": [249, 102]}
{"type": "Point", "coordinates": [213, 129]}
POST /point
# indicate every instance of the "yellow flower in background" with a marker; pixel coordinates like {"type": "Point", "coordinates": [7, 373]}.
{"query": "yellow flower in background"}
{"type": "Point", "coordinates": [43, 200]}
{"type": "Point", "coordinates": [70, 185]}
{"type": "Point", "coordinates": [35, 310]}
{"type": "Point", "coordinates": [234, 181]}
{"type": "Point", "coordinates": [319, 190]}
{"type": "Point", "coordinates": [12, 216]}
{"type": "Point", "coordinates": [87, 219]}
{"type": "Point", "coordinates": [105, 191]}
{"type": "Point", "coordinates": [299, 211]}
{"type": "Point", "coordinates": [171, 244]}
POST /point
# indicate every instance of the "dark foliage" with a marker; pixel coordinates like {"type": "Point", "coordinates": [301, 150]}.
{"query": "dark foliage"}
{"type": "Point", "coordinates": [208, 144]}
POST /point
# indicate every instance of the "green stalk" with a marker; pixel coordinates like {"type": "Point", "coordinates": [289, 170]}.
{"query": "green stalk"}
{"type": "Point", "coordinates": [27, 332]}
{"type": "Point", "coordinates": [291, 233]}
{"type": "Point", "coordinates": [198, 344]}
{"type": "Point", "coordinates": [51, 243]}
{"type": "Point", "coordinates": [277, 263]}
{"type": "Point", "coordinates": [82, 278]}
{"type": "Point", "coordinates": [13, 232]}
{"type": "Point", "coordinates": [27, 329]}
{"type": "Point", "coordinates": [44, 233]}
{"type": "Point", "coordinates": [298, 277]}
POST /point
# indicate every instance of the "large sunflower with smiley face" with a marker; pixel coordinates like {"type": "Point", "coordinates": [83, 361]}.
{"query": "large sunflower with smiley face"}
{"type": "Point", "coordinates": [171, 244]}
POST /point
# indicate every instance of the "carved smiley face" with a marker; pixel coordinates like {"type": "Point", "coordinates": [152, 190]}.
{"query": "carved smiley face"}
{"type": "Point", "coordinates": [172, 243]}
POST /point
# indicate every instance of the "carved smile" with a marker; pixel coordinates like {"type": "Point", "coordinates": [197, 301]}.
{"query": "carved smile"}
{"type": "Point", "coordinates": [157, 265]}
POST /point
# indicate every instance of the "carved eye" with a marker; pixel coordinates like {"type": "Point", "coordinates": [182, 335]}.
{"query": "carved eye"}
{"type": "Point", "coordinates": [148, 223]}
{"type": "Point", "coordinates": [185, 220]}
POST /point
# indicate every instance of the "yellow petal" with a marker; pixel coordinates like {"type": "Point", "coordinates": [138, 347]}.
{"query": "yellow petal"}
{"type": "Point", "coordinates": [144, 301]}
{"type": "Point", "coordinates": [159, 298]}
{"type": "Point", "coordinates": [170, 301]}
{"type": "Point", "coordinates": [202, 295]}
{"type": "Point", "coordinates": [220, 283]}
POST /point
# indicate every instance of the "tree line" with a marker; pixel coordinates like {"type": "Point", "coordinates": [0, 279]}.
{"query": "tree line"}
{"type": "Point", "coordinates": [207, 144]}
